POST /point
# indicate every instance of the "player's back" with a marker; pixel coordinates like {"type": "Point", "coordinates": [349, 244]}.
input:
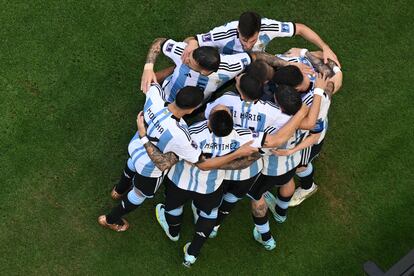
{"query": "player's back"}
{"type": "Point", "coordinates": [164, 130]}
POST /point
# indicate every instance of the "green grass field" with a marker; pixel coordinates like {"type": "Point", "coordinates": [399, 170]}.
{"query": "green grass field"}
{"type": "Point", "coordinates": [69, 79]}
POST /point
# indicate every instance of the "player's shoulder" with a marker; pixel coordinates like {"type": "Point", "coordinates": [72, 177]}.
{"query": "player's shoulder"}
{"type": "Point", "coordinates": [268, 105]}
{"type": "Point", "coordinates": [234, 62]}
{"type": "Point", "coordinates": [198, 128]}
{"type": "Point", "coordinates": [156, 93]}
{"type": "Point", "coordinates": [172, 46]}
{"type": "Point", "coordinates": [181, 132]}
{"type": "Point", "coordinates": [241, 131]}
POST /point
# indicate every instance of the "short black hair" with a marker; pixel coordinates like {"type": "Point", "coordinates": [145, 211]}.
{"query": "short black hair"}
{"type": "Point", "coordinates": [221, 123]}
{"type": "Point", "coordinates": [250, 87]}
{"type": "Point", "coordinates": [260, 70]}
{"type": "Point", "coordinates": [288, 99]}
{"type": "Point", "coordinates": [249, 24]}
{"type": "Point", "coordinates": [207, 57]}
{"type": "Point", "coordinates": [288, 75]}
{"type": "Point", "coordinates": [189, 97]}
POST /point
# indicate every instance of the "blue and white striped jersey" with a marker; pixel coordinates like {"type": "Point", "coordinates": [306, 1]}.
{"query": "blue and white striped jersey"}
{"type": "Point", "coordinates": [274, 165]}
{"type": "Point", "coordinates": [226, 37]}
{"type": "Point", "coordinates": [259, 116]}
{"type": "Point", "coordinates": [230, 67]}
{"type": "Point", "coordinates": [167, 132]}
{"type": "Point", "coordinates": [307, 97]}
{"type": "Point", "coordinates": [188, 177]}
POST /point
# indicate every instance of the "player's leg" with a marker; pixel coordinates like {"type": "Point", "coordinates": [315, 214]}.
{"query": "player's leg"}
{"type": "Point", "coordinates": [170, 215]}
{"type": "Point", "coordinates": [278, 205]}
{"type": "Point", "coordinates": [261, 231]}
{"type": "Point", "coordinates": [234, 192]}
{"type": "Point", "coordinates": [208, 205]}
{"type": "Point", "coordinates": [125, 182]}
{"type": "Point", "coordinates": [305, 173]}
{"type": "Point", "coordinates": [143, 187]}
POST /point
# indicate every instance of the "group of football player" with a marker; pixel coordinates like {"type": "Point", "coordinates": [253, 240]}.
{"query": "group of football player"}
{"type": "Point", "coordinates": [214, 147]}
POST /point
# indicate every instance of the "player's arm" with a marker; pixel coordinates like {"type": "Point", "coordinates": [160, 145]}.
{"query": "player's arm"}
{"type": "Point", "coordinates": [148, 75]}
{"type": "Point", "coordinates": [162, 161]}
{"type": "Point", "coordinates": [311, 36]}
{"type": "Point", "coordinates": [242, 163]}
{"type": "Point", "coordinates": [275, 61]}
{"type": "Point", "coordinates": [307, 142]}
{"type": "Point", "coordinates": [206, 164]}
{"type": "Point", "coordinates": [284, 133]}
{"type": "Point", "coordinates": [322, 85]}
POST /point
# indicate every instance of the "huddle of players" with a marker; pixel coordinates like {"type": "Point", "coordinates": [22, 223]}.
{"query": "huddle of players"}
{"type": "Point", "coordinates": [252, 140]}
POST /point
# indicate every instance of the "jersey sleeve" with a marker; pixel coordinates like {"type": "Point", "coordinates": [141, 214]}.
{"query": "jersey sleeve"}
{"type": "Point", "coordinates": [174, 50]}
{"type": "Point", "coordinates": [233, 65]}
{"type": "Point", "coordinates": [219, 36]}
{"type": "Point", "coordinates": [247, 135]}
{"type": "Point", "coordinates": [155, 91]}
{"type": "Point", "coordinates": [187, 150]}
{"type": "Point", "coordinates": [273, 28]}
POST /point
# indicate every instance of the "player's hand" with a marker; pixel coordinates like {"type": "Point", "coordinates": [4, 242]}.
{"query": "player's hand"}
{"type": "Point", "coordinates": [148, 77]}
{"type": "Point", "coordinates": [303, 68]}
{"type": "Point", "coordinates": [321, 81]}
{"type": "Point", "coordinates": [142, 131]}
{"type": "Point", "coordinates": [293, 52]}
{"type": "Point", "coordinates": [192, 44]}
{"type": "Point", "coordinates": [282, 152]}
{"type": "Point", "coordinates": [246, 149]}
{"type": "Point", "coordinates": [329, 54]}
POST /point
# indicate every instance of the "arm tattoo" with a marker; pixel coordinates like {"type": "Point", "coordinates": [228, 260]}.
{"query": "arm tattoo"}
{"type": "Point", "coordinates": [155, 50]}
{"type": "Point", "coordinates": [163, 161]}
{"type": "Point", "coordinates": [241, 163]}
{"type": "Point", "coordinates": [272, 60]}
{"type": "Point", "coordinates": [319, 65]}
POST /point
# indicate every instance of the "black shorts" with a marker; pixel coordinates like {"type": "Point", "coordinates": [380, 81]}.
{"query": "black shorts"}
{"type": "Point", "coordinates": [147, 185]}
{"type": "Point", "coordinates": [176, 197]}
{"type": "Point", "coordinates": [238, 188]}
{"type": "Point", "coordinates": [266, 182]}
{"type": "Point", "coordinates": [309, 154]}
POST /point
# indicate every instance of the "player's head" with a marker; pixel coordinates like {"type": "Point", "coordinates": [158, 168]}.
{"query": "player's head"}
{"type": "Point", "coordinates": [288, 99]}
{"type": "Point", "coordinates": [260, 70]}
{"type": "Point", "coordinates": [249, 87]}
{"type": "Point", "coordinates": [292, 76]}
{"type": "Point", "coordinates": [220, 121]}
{"type": "Point", "coordinates": [249, 28]}
{"type": "Point", "coordinates": [204, 60]}
{"type": "Point", "coordinates": [189, 98]}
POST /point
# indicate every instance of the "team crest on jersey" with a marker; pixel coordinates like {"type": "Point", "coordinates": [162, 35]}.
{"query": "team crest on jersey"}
{"type": "Point", "coordinates": [206, 37]}
{"type": "Point", "coordinates": [169, 47]}
{"type": "Point", "coordinates": [285, 28]}
{"type": "Point", "coordinates": [194, 144]}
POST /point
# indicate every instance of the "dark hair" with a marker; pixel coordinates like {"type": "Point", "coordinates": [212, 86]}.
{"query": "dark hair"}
{"type": "Point", "coordinates": [207, 57]}
{"type": "Point", "coordinates": [189, 97]}
{"type": "Point", "coordinates": [250, 87]}
{"type": "Point", "coordinates": [288, 99]}
{"type": "Point", "coordinates": [249, 24]}
{"type": "Point", "coordinates": [288, 75]}
{"type": "Point", "coordinates": [221, 123]}
{"type": "Point", "coordinates": [260, 70]}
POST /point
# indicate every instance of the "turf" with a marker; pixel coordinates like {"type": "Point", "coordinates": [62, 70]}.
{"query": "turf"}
{"type": "Point", "coordinates": [69, 78]}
